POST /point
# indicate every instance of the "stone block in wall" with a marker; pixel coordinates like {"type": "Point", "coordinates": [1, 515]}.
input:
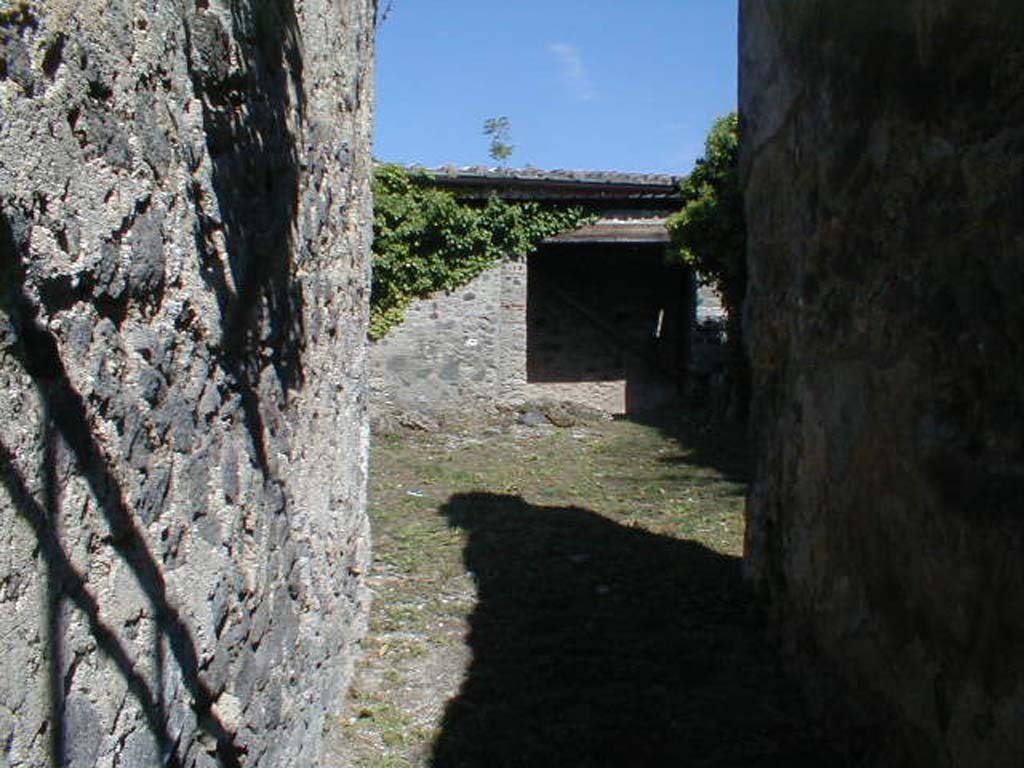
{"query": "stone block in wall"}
{"type": "Point", "coordinates": [184, 244]}
{"type": "Point", "coordinates": [883, 153]}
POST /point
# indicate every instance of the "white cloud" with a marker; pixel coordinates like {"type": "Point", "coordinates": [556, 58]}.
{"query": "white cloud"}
{"type": "Point", "coordinates": [573, 71]}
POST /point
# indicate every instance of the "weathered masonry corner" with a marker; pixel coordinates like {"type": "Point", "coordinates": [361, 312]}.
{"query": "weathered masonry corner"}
{"type": "Point", "coordinates": [595, 316]}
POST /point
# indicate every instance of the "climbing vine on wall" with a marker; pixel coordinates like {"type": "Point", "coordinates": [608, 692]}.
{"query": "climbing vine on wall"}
{"type": "Point", "coordinates": [424, 240]}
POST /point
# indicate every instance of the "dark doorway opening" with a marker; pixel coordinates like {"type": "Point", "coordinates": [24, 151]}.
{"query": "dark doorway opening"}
{"type": "Point", "coordinates": [607, 325]}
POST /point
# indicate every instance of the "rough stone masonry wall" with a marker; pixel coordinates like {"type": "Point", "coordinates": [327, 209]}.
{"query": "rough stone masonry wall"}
{"type": "Point", "coordinates": [184, 227]}
{"type": "Point", "coordinates": [456, 352]}
{"type": "Point", "coordinates": [883, 158]}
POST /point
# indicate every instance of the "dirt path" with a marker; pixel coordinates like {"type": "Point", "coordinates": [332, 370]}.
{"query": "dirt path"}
{"type": "Point", "coordinates": [565, 597]}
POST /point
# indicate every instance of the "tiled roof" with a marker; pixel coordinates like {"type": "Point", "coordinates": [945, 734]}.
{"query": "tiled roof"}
{"type": "Point", "coordinates": [631, 207]}
{"type": "Point", "coordinates": [660, 190]}
{"type": "Point", "coordinates": [538, 174]}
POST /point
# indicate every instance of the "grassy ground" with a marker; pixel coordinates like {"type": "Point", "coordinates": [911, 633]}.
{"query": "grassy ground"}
{"type": "Point", "coordinates": [565, 597]}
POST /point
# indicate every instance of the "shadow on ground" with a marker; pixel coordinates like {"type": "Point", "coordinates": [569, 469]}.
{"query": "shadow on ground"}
{"type": "Point", "coordinates": [703, 440]}
{"type": "Point", "coordinates": [596, 644]}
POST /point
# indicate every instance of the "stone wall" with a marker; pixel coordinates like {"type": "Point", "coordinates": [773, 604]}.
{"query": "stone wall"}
{"type": "Point", "coordinates": [184, 233]}
{"type": "Point", "coordinates": [571, 323]}
{"type": "Point", "coordinates": [456, 352]}
{"type": "Point", "coordinates": [883, 158]}
{"type": "Point", "coordinates": [709, 349]}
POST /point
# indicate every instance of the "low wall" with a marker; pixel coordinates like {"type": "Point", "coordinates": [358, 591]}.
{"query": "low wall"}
{"type": "Point", "coordinates": [883, 157]}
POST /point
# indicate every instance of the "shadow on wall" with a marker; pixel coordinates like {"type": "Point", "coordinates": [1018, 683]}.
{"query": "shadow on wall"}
{"type": "Point", "coordinates": [246, 243]}
{"type": "Point", "coordinates": [68, 440]}
{"type": "Point", "coordinates": [596, 644]}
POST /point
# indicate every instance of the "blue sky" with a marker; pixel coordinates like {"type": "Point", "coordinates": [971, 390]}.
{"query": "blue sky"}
{"type": "Point", "coordinates": [613, 85]}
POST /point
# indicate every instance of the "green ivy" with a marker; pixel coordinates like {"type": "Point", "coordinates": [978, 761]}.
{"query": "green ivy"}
{"type": "Point", "coordinates": [424, 240]}
{"type": "Point", "coordinates": [709, 233]}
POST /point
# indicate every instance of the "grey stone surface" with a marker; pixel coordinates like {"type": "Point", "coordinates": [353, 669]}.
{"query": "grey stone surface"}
{"type": "Point", "coordinates": [456, 351]}
{"type": "Point", "coordinates": [882, 162]}
{"type": "Point", "coordinates": [184, 233]}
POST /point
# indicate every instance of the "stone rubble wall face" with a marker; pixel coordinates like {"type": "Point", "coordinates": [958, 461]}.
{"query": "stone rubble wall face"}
{"type": "Point", "coordinates": [184, 231]}
{"type": "Point", "coordinates": [456, 350]}
{"type": "Point", "coordinates": [883, 158]}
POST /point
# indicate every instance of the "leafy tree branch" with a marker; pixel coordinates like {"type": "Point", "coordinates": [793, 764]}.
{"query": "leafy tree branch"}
{"type": "Point", "coordinates": [709, 233]}
{"type": "Point", "coordinates": [499, 129]}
